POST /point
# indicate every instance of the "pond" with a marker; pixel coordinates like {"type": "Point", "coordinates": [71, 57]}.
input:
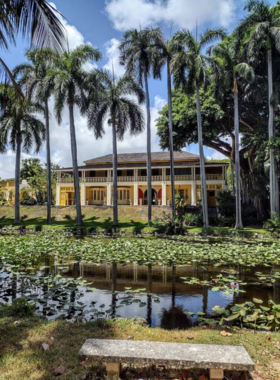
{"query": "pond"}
{"type": "Point", "coordinates": [169, 296]}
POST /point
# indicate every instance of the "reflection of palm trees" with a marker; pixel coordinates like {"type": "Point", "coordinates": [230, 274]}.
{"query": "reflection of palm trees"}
{"type": "Point", "coordinates": [71, 312]}
{"type": "Point", "coordinates": [114, 295]}
{"type": "Point", "coordinates": [205, 295]}
{"type": "Point", "coordinates": [174, 317]}
{"type": "Point", "coordinates": [149, 297]}
{"type": "Point", "coordinates": [45, 286]}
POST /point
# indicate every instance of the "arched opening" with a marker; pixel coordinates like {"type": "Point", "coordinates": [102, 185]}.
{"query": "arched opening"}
{"type": "Point", "coordinates": [154, 197]}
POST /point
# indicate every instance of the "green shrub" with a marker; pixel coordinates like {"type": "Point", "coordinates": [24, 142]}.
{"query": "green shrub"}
{"type": "Point", "coordinates": [27, 200]}
{"type": "Point", "coordinates": [193, 220]}
{"type": "Point", "coordinates": [273, 225]}
{"type": "Point", "coordinates": [19, 308]}
{"type": "Point", "coordinates": [169, 225]}
{"type": "Point", "coordinates": [226, 203]}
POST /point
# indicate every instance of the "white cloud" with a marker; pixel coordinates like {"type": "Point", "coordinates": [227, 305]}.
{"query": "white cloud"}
{"type": "Point", "coordinates": [75, 38]}
{"type": "Point", "coordinates": [113, 54]}
{"type": "Point", "coordinates": [127, 14]}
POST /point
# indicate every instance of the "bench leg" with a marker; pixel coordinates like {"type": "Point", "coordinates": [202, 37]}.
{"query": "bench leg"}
{"type": "Point", "coordinates": [216, 374]}
{"type": "Point", "coordinates": [113, 370]}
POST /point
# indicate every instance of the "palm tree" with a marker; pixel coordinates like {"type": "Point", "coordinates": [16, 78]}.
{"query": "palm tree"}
{"type": "Point", "coordinates": [37, 20]}
{"type": "Point", "coordinates": [190, 69]}
{"type": "Point", "coordinates": [113, 101]}
{"type": "Point", "coordinates": [166, 55]}
{"type": "Point", "coordinates": [68, 80]}
{"type": "Point", "coordinates": [261, 28]}
{"type": "Point", "coordinates": [33, 77]}
{"type": "Point", "coordinates": [140, 54]}
{"type": "Point", "coordinates": [233, 71]}
{"type": "Point", "coordinates": [20, 129]}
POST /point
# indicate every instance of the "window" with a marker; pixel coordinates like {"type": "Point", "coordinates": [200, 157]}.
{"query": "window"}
{"type": "Point", "coordinates": [130, 173]}
{"type": "Point", "coordinates": [119, 173]}
{"type": "Point", "coordinates": [211, 193]}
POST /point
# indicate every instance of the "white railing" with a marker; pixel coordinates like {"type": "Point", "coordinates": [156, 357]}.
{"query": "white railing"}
{"type": "Point", "coordinates": [180, 177]}
{"type": "Point", "coordinates": [154, 178]}
{"type": "Point", "coordinates": [125, 179]}
{"type": "Point", "coordinates": [215, 177]}
{"type": "Point", "coordinates": [95, 179]}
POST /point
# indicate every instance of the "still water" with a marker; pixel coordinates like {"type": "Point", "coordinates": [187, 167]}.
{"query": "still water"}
{"type": "Point", "coordinates": [156, 293]}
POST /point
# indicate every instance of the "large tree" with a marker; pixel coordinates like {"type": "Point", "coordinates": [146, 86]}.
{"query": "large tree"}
{"type": "Point", "coordinates": [68, 80]}
{"type": "Point", "coordinates": [113, 101]}
{"type": "Point", "coordinates": [261, 29]}
{"type": "Point", "coordinates": [140, 55]}
{"type": "Point", "coordinates": [33, 77]}
{"type": "Point", "coordinates": [20, 129]}
{"type": "Point", "coordinates": [232, 71]}
{"type": "Point", "coordinates": [190, 69]}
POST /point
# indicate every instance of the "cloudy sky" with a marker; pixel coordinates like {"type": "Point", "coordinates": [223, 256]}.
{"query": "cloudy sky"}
{"type": "Point", "coordinates": [102, 23]}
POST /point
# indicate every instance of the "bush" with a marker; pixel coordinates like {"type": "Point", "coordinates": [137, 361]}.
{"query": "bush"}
{"type": "Point", "coordinates": [19, 308]}
{"type": "Point", "coordinates": [27, 200]}
{"type": "Point", "coordinates": [273, 225]}
{"type": "Point", "coordinates": [169, 225]}
{"type": "Point", "coordinates": [226, 206]}
{"type": "Point", "coordinates": [193, 220]}
{"type": "Point", "coordinates": [226, 203]}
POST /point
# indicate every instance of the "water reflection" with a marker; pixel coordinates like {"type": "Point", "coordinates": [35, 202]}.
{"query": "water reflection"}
{"type": "Point", "coordinates": [156, 293]}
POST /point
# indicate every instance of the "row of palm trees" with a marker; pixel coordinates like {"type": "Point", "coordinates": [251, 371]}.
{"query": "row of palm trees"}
{"type": "Point", "coordinates": [102, 97]}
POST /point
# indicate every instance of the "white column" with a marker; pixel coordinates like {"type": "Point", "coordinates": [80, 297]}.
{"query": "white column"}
{"type": "Point", "coordinates": [193, 193]}
{"type": "Point", "coordinates": [109, 194]}
{"type": "Point", "coordinates": [57, 194]}
{"type": "Point", "coordinates": [135, 191]}
{"type": "Point", "coordinates": [163, 193]}
{"type": "Point", "coordinates": [83, 194]}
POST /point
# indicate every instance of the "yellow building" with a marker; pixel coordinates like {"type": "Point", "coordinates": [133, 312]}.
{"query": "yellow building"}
{"type": "Point", "coordinates": [8, 189]}
{"type": "Point", "coordinates": [96, 180]}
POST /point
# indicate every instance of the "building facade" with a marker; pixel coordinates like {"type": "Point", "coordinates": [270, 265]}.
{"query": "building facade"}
{"type": "Point", "coordinates": [96, 180]}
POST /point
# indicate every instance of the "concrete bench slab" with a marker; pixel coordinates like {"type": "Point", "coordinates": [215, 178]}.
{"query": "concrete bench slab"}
{"type": "Point", "coordinates": [206, 356]}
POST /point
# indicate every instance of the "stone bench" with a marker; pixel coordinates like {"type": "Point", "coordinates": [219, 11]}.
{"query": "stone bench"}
{"type": "Point", "coordinates": [213, 357]}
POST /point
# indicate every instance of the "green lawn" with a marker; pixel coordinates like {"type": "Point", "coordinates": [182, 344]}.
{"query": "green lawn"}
{"type": "Point", "coordinates": [130, 218]}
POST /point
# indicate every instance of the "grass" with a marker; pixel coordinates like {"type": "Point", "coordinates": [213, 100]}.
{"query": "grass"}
{"type": "Point", "coordinates": [131, 218]}
{"type": "Point", "coordinates": [22, 356]}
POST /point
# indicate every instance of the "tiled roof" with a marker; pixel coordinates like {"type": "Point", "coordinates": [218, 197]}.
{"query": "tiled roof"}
{"type": "Point", "coordinates": [142, 157]}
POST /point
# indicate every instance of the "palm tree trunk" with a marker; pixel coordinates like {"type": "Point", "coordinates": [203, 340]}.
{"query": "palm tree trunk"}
{"type": "Point", "coordinates": [149, 161]}
{"type": "Point", "coordinates": [115, 177]}
{"type": "Point", "coordinates": [171, 137]}
{"type": "Point", "coordinates": [232, 177]}
{"type": "Point", "coordinates": [17, 177]}
{"type": "Point", "coordinates": [202, 164]}
{"type": "Point", "coordinates": [75, 165]}
{"type": "Point", "coordinates": [238, 224]}
{"type": "Point", "coordinates": [272, 179]}
{"type": "Point", "coordinates": [49, 179]}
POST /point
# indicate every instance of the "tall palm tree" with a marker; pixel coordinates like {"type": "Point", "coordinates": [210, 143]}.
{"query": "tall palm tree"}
{"type": "Point", "coordinates": [261, 28]}
{"type": "Point", "coordinates": [140, 54]}
{"type": "Point", "coordinates": [190, 70]}
{"type": "Point", "coordinates": [234, 70]}
{"type": "Point", "coordinates": [166, 55]}
{"type": "Point", "coordinates": [114, 101]}
{"type": "Point", "coordinates": [68, 80]}
{"type": "Point", "coordinates": [33, 77]}
{"type": "Point", "coordinates": [37, 20]}
{"type": "Point", "coordinates": [20, 129]}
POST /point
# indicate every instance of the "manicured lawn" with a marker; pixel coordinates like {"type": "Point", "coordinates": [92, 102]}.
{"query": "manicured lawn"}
{"type": "Point", "coordinates": [130, 218]}
{"type": "Point", "coordinates": [22, 356]}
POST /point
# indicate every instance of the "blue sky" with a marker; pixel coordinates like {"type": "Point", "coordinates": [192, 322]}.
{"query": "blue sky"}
{"type": "Point", "coordinates": [102, 23]}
